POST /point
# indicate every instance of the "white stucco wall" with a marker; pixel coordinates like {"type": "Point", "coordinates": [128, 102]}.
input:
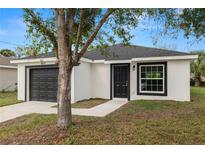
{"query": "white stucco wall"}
{"type": "Point", "coordinates": [93, 80]}
{"type": "Point", "coordinates": [179, 80]}
{"type": "Point", "coordinates": [82, 82]}
{"type": "Point", "coordinates": [100, 81]}
{"type": "Point", "coordinates": [8, 79]}
{"type": "Point", "coordinates": [178, 86]}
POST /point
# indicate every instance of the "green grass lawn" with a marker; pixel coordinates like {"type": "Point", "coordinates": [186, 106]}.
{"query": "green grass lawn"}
{"type": "Point", "coordinates": [138, 122]}
{"type": "Point", "coordinates": [8, 98]}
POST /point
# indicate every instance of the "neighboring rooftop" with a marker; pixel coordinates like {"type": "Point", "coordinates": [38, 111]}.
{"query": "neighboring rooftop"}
{"type": "Point", "coordinates": [43, 55]}
{"type": "Point", "coordinates": [121, 52]}
{"type": "Point", "coordinates": [5, 61]}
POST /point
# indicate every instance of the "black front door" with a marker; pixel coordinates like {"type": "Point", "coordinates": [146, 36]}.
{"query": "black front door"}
{"type": "Point", "coordinates": [121, 81]}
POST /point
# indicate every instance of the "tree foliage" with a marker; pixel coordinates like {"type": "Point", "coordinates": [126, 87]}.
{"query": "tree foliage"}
{"type": "Point", "coordinates": [42, 29]}
{"type": "Point", "coordinates": [117, 29]}
{"type": "Point", "coordinates": [198, 67]}
{"type": "Point", "coordinates": [7, 53]}
{"type": "Point", "coordinates": [28, 50]}
{"type": "Point", "coordinates": [193, 22]}
{"type": "Point", "coordinates": [190, 21]}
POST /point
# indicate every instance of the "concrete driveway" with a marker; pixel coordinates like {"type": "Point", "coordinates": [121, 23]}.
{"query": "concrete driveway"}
{"type": "Point", "coordinates": [17, 110]}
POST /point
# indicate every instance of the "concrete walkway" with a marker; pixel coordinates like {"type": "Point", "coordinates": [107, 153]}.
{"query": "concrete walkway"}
{"type": "Point", "coordinates": [17, 110]}
{"type": "Point", "coordinates": [100, 110]}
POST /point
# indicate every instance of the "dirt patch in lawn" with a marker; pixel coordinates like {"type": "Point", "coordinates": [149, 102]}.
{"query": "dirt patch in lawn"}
{"type": "Point", "coordinates": [43, 135]}
{"type": "Point", "coordinates": [32, 129]}
{"type": "Point", "coordinates": [89, 103]}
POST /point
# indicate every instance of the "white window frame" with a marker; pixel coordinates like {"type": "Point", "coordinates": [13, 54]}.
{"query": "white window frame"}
{"type": "Point", "coordinates": [163, 79]}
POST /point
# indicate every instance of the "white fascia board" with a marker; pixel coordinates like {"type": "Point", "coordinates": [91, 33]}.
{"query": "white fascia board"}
{"type": "Point", "coordinates": [6, 66]}
{"type": "Point", "coordinates": [98, 61]}
{"type": "Point", "coordinates": [186, 57]}
{"type": "Point", "coordinates": [110, 61]}
{"type": "Point", "coordinates": [117, 61]}
{"type": "Point", "coordinates": [52, 59]}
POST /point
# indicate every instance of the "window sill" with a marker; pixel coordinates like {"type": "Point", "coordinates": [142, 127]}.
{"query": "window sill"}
{"type": "Point", "coordinates": [152, 94]}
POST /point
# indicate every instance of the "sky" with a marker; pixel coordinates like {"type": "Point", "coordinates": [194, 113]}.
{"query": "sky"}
{"type": "Point", "coordinates": [13, 32]}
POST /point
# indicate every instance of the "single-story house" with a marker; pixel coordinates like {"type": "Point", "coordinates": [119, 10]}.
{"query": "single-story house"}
{"type": "Point", "coordinates": [8, 74]}
{"type": "Point", "coordinates": [130, 72]}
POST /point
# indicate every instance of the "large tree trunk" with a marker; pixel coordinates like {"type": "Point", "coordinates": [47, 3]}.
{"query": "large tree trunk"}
{"type": "Point", "coordinates": [64, 95]}
{"type": "Point", "coordinates": [64, 77]}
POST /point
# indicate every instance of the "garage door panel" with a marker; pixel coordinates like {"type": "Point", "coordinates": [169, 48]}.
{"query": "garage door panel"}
{"type": "Point", "coordinates": [43, 84]}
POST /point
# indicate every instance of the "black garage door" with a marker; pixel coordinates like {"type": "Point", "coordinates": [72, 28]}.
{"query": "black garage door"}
{"type": "Point", "coordinates": [43, 84]}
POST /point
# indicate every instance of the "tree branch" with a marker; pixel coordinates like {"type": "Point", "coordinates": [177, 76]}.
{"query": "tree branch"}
{"type": "Point", "coordinates": [38, 22]}
{"type": "Point", "coordinates": [93, 35]}
{"type": "Point", "coordinates": [79, 30]}
{"type": "Point", "coordinates": [69, 27]}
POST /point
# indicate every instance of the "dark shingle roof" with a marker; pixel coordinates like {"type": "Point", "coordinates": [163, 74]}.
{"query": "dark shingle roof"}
{"type": "Point", "coordinates": [121, 52]}
{"type": "Point", "coordinates": [6, 61]}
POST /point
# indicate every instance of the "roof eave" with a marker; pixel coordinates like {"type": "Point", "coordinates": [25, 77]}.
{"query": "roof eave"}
{"type": "Point", "coordinates": [8, 66]}
{"type": "Point", "coordinates": [54, 59]}
{"type": "Point", "coordinates": [35, 60]}
{"type": "Point", "coordinates": [181, 57]}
